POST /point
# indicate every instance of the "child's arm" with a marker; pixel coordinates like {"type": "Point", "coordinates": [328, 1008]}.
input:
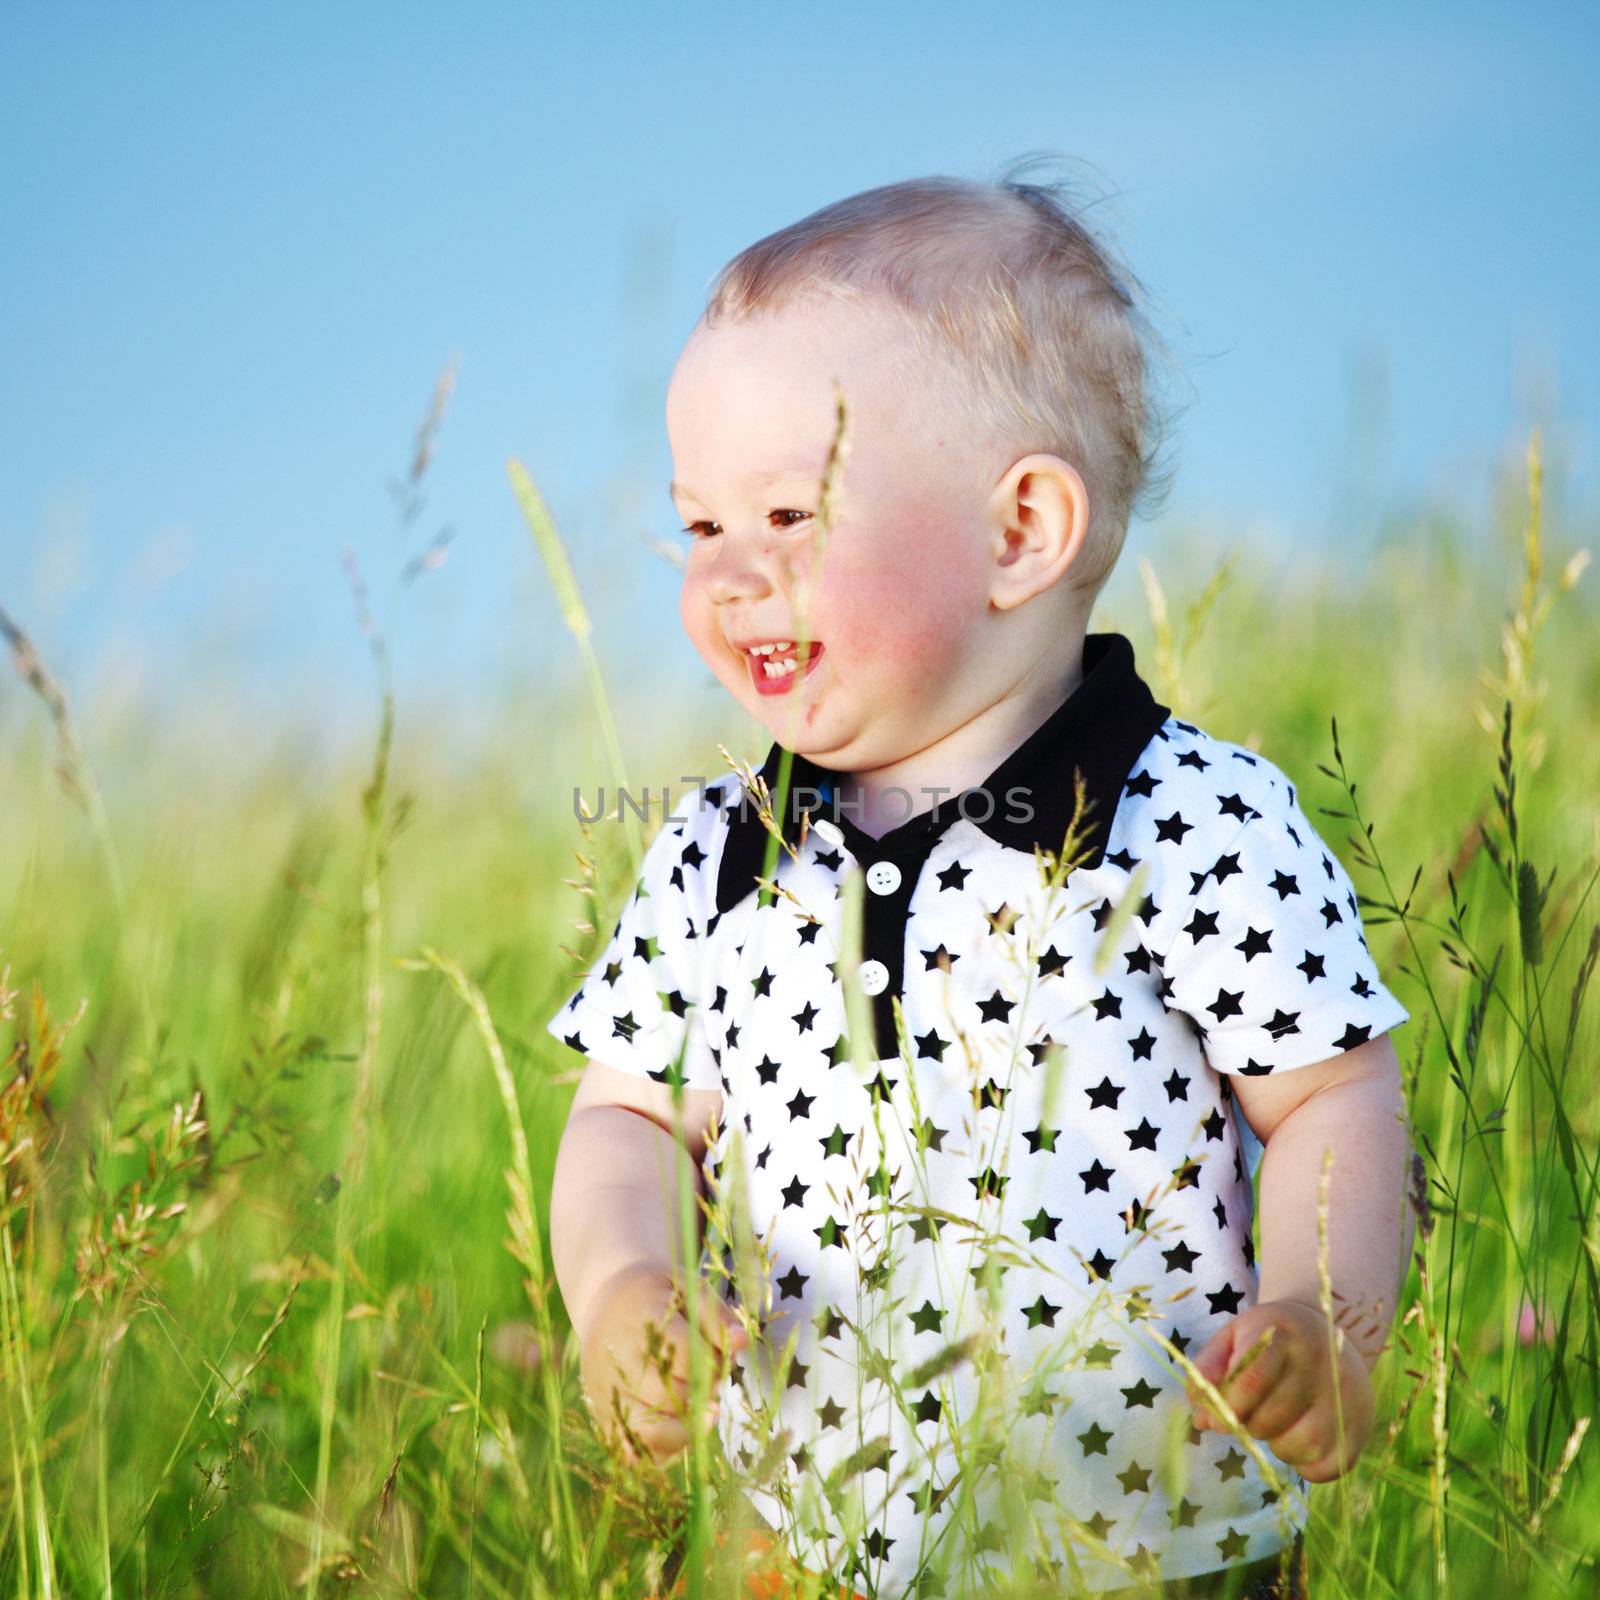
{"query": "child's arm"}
{"type": "Point", "coordinates": [1308, 1396]}
{"type": "Point", "coordinates": [614, 1239]}
{"type": "Point", "coordinates": [1352, 1106]}
{"type": "Point", "coordinates": [617, 1175]}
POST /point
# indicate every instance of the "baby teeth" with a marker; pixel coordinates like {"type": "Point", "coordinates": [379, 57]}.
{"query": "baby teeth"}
{"type": "Point", "coordinates": [778, 669]}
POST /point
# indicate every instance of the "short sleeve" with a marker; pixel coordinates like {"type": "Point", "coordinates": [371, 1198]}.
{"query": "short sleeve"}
{"type": "Point", "coordinates": [638, 1007]}
{"type": "Point", "coordinates": [1272, 964]}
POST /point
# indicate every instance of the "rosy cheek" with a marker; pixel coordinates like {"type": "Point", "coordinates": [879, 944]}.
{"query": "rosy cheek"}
{"type": "Point", "coordinates": [899, 614]}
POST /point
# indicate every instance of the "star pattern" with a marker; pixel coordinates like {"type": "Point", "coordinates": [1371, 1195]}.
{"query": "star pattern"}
{"type": "Point", "coordinates": [1245, 956]}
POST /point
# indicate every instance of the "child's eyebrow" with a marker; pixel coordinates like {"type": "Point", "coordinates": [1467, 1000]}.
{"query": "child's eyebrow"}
{"type": "Point", "coordinates": [760, 476]}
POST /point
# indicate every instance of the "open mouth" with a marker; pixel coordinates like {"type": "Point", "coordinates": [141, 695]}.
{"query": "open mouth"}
{"type": "Point", "coordinates": [776, 668]}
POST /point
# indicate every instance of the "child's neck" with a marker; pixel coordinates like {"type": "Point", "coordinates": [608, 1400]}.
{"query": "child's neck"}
{"type": "Point", "coordinates": [877, 800]}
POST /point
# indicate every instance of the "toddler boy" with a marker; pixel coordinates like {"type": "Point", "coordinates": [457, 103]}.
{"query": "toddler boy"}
{"type": "Point", "coordinates": [1127, 969]}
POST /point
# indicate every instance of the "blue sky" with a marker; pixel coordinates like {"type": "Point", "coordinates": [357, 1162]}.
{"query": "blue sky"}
{"type": "Point", "coordinates": [241, 242]}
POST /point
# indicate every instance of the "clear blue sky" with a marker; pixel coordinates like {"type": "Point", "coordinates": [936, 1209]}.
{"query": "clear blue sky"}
{"type": "Point", "coordinates": [240, 242]}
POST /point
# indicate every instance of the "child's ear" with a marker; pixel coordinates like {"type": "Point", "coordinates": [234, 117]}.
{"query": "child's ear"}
{"type": "Point", "coordinates": [1039, 514]}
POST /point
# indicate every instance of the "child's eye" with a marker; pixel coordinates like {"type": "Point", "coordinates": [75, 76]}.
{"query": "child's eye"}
{"type": "Point", "coordinates": [693, 527]}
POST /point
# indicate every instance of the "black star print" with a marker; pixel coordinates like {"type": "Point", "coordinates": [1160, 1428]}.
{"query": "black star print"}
{"type": "Point", "coordinates": [1142, 1044]}
{"type": "Point", "coordinates": [831, 859]}
{"type": "Point", "coordinates": [929, 1407]}
{"type": "Point", "coordinates": [1094, 1440]}
{"type": "Point", "coordinates": [1002, 919]}
{"type": "Point", "coordinates": [791, 1283]}
{"type": "Point", "coordinates": [989, 1183]}
{"type": "Point", "coordinates": [1232, 806]}
{"type": "Point", "coordinates": [1099, 1265]}
{"type": "Point", "coordinates": [830, 1232]}
{"type": "Point", "coordinates": [830, 1324]}
{"type": "Point", "coordinates": [767, 1070]}
{"type": "Point", "coordinates": [928, 1319]}
{"type": "Point", "coordinates": [836, 1142]}
{"type": "Point", "coordinates": [613, 971]}
{"type": "Point", "coordinates": [1134, 1479]}
{"type": "Point", "coordinates": [882, 1181]}
{"type": "Point", "coordinates": [808, 931]}
{"type": "Point", "coordinates": [1285, 884]}
{"type": "Point", "coordinates": [1173, 828]}
{"type": "Point", "coordinates": [763, 984]}
{"type": "Point", "coordinates": [1052, 962]}
{"type": "Point", "coordinates": [1232, 1545]}
{"type": "Point", "coordinates": [1330, 913]}
{"type": "Point", "coordinates": [1143, 1137]}
{"type": "Point", "coordinates": [1108, 1005]}
{"type": "Point", "coordinates": [1226, 867]}
{"type": "Point", "coordinates": [1201, 925]}
{"type": "Point", "coordinates": [1140, 784]}
{"type": "Point", "coordinates": [1226, 1005]}
{"type": "Point", "coordinates": [1180, 1258]}
{"type": "Point", "coordinates": [1176, 1085]}
{"type": "Point", "coordinates": [1041, 1313]}
{"type": "Point", "coordinates": [954, 876]}
{"type": "Point", "coordinates": [800, 1106]}
{"type": "Point", "coordinates": [1142, 1393]}
{"type": "Point", "coordinates": [1140, 959]}
{"type": "Point", "coordinates": [830, 1413]}
{"type": "Point", "coordinates": [1105, 1093]}
{"type": "Point", "coordinates": [1226, 1299]}
{"type": "Point", "coordinates": [996, 1008]}
{"type": "Point", "coordinates": [1231, 1465]}
{"type": "Point", "coordinates": [928, 1136]}
{"type": "Point", "coordinates": [1313, 967]}
{"type": "Point", "coordinates": [939, 957]}
{"type": "Point", "coordinates": [1184, 1513]}
{"type": "Point", "coordinates": [1041, 1138]}
{"type": "Point", "coordinates": [1214, 1124]}
{"type": "Point", "coordinates": [1255, 943]}
{"type": "Point", "coordinates": [794, 1192]}
{"type": "Point", "coordinates": [1096, 1176]}
{"type": "Point", "coordinates": [805, 1016]}
{"type": "Point", "coordinates": [991, 1096]}
{"type": "Point", "coordinates": [1352, 1036]}
{"type": "Point", "coordinates": [1283, 1022]}
{"type": "Point", "coordinates": [1042, 1226]}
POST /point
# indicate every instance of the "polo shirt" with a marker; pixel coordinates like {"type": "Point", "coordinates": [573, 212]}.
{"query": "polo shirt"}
{"type": "Point", "coordinates": [1048, 1161]}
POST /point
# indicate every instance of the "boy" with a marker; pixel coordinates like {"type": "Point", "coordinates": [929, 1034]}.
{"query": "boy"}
{"type": "Point", "coordinates": [1123, 961]}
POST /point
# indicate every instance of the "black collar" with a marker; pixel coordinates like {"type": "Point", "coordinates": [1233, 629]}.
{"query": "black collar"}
{"type": "Point", "coordinates": [1098, 731]}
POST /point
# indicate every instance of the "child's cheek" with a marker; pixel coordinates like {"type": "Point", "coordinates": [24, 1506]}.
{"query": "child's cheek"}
{"type": "Point", "coordinates": [905, 614]}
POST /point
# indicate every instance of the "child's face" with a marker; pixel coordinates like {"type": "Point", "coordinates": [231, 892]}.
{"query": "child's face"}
{"type": "Point", "coordinates": [899, 606]}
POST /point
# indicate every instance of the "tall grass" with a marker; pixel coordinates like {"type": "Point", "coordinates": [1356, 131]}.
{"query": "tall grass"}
{"type": "Point", "coordinates": [278, 1105]}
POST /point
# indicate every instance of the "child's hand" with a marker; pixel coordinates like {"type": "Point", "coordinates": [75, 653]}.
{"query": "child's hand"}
{"type": "Point", "coordinates": [1286, 1395]}
{"type": "Point", "coordinates": [649, 1371]}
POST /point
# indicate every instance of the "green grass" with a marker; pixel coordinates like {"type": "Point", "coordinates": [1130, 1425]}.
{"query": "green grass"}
{"type": "Point", "coordinates": [276, 1316]}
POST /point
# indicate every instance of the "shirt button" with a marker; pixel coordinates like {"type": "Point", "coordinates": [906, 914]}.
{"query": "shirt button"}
{"type": "Point", "coordinates": [883, 877]}
{"type": "Point", "coordinates": [831, 832]}
{"type": "Point", "coordinates": [874, 977]}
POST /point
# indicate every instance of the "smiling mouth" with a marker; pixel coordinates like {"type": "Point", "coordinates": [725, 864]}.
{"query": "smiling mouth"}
{"type": "Point", "coordinates": [778, 671]}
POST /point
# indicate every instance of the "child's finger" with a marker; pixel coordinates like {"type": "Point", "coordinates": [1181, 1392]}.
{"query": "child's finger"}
{"type": "Point", "coordinates": [1252, 1375]}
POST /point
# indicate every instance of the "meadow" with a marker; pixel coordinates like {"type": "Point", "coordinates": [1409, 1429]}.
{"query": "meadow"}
{"type": "Point", "coordinates": [279, 1114]}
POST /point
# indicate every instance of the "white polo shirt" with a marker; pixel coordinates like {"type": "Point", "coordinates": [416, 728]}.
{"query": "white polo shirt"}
{"type": "Point", "coordinates": [1061, 1207]}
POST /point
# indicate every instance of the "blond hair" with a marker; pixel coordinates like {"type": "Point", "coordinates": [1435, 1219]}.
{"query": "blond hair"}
{"type": "Point", "coordinates": [1004, 286]}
